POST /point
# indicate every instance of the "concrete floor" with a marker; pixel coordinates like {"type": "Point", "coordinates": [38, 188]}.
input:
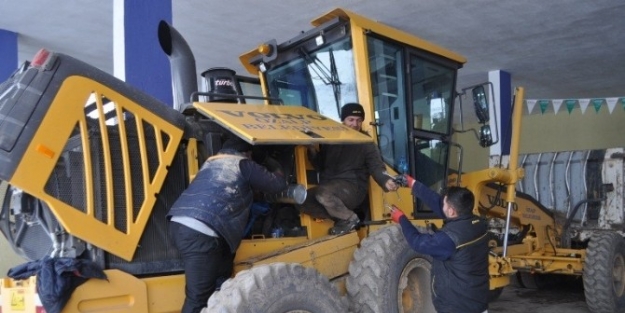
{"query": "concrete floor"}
{"type": "Point", "coordinates": [565, 297]}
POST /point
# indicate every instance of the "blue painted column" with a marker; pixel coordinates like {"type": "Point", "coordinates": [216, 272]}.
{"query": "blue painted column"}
{"type": "Point", "coordinates": [8, 53]}
{"type": "Point", "coordinates": [138, 58]}
{"type": "Point", "coordinates": [502, 85]}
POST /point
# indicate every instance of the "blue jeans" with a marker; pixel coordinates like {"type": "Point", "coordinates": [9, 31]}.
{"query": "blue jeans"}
{"type": "Point", "coordinates": [207, 260]}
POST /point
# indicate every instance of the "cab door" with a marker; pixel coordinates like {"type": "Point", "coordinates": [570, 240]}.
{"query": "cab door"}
{"type": "Point", "coordinates": [431, 85]}
{"type": "Point", "coordinates": [413, 94]}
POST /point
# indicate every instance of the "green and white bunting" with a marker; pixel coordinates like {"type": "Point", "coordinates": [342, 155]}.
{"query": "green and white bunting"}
{"type": "Point", "coordinates": [549, 105]}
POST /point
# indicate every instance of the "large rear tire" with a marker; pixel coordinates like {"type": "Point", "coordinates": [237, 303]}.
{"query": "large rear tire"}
{"type": "Point", "coordinates": [386, 275]}
{"type": "Point", "coordinates": [277, 287]}
{"type": "Point", "coordinates": [604, 273]}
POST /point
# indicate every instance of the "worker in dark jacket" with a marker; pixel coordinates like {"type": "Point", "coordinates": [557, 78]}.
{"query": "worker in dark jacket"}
{"type": "Point", "coordinates": [208, 220]}
{"type": "Point", "coordinates": [460, 279]}
{"type": "Point", "coordinates": [344, 176]}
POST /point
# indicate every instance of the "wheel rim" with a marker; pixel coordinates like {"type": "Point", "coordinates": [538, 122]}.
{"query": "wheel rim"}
{"type": "Point", "coordinates": [618, 276]}
{"type": "Point", "coordinates": [413, 287]}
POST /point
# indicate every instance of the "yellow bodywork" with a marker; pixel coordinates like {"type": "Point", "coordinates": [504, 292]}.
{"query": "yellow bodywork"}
{"type": "Point", "coordinates": [258, 124]}
{"type": "Point", "coordinates": [539, 251]}
{"type": "Point", "coordinates": [51, 138]}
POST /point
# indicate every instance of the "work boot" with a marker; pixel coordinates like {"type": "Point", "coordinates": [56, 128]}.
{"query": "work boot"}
{"type": "Point", "coordinates": [344, 226]}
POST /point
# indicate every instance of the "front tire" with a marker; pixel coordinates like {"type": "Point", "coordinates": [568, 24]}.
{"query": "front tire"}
{"type": "Point", "coordinates": [387, 275]}
{"type": "Point", "coordinates": [604, 273]}
{"type": "Point", "coordinates": [277, 287]}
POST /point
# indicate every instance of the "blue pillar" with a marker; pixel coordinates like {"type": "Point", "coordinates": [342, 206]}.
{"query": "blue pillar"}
{"type": "Point", "coordinates": [502, 85]}
{"type": "Point", "coordinates": [8, 53]}
{"type": "Point", "coordinates": [139, 59]}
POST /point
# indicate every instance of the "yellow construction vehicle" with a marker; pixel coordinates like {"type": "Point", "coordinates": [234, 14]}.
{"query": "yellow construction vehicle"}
{"type": "Point", "coordinates": [90, 166]}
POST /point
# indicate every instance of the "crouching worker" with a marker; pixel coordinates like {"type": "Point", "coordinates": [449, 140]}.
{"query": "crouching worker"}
{"type": "Point", "coordinates": [344, 176]}
{"type": "Point", "coordinates": [460, 279]}
{"type": "Point", "coordinates": [207, 222]}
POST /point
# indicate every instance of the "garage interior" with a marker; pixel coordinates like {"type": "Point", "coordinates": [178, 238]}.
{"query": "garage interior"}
{"type": "Point", "coordinates": [569, 56]}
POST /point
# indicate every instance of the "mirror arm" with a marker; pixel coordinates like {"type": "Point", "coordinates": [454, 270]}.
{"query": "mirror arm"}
{"type": "Point", "coordinates": [477, 136]}
{"type": "Point", "coordinates": [495, 137]}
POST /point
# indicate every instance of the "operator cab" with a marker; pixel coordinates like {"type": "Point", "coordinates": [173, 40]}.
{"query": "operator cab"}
{"type": "Point", "coordinates": [405, 84]}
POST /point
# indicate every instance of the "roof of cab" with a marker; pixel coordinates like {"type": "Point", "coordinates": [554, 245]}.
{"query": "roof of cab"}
{"type": "Point", "coordinates": [369, 25]}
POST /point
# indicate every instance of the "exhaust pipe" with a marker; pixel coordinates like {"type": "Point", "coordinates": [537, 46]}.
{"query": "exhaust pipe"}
{"type": "Point", "coordinates": [182, 62]}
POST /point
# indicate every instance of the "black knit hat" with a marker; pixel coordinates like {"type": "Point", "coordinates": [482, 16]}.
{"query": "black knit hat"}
{"type": "Point", "coordinates": [352, 109]}
{"type": "Point", "coordinates": [237, 144]}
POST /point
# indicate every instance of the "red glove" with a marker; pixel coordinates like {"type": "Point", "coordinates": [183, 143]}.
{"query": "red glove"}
{"type": "Point", "coordinates": [396, 213]}
{"type": "Point", "coordinates": [409, 180]}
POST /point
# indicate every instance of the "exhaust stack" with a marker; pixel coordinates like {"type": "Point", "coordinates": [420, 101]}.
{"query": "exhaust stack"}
{"type": "Point", "coordinates": [182, 62]}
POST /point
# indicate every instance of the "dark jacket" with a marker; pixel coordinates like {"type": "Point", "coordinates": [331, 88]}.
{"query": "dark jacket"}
{"type": "Point", "coordinates": [352, 163]}
{"type": "Point", "coordinates": [221, 194]}
{"type": "Point", "coordinates": [57, 278]}
{"type": "Point", "coordinates": [460, 279]}
{"type": "Point", "coordinates": [461, 283]}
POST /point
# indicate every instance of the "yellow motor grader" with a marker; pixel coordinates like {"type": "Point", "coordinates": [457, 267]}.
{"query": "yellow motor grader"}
{"type": "Point", "coordinates": [90, 167]}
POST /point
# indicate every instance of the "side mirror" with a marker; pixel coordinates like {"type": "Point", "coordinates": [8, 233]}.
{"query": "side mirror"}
{"type": "Point", "coordinates": [486, 137]}
{"type": "Point", "coordinates": [481, 104]}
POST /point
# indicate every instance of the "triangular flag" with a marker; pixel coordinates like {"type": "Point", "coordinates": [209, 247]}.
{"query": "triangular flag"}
{"type": "Point", "coordinates": [556, 105]}
{"type": "Point", "coordinates": [570, 105]}
{"type": "Point", "coordinates": [583, 104]}
{"type": "Point", "coordinates": [611, 103]}
{"type": "Point", "coordinates": [543, 105]}
{"type": "Point", "coordinates": [597, 104]}
{"type": "Point", "coordinates": [532, 103]}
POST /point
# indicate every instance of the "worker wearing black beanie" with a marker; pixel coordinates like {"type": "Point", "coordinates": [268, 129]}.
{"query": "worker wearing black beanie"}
{"type": "Point", "coordinates": [344, 172]}
{"type": "Point", "coordinates": [352, 109]}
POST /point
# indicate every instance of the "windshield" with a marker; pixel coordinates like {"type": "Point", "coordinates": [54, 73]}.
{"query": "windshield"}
{"type": "Point", "coordinates": [322, 80]}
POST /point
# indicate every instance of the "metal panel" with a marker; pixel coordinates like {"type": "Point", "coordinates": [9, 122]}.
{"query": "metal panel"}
{"type": "Point", "coordinates": [612, 172]}
{"type": "Point", "coordinates": [563, 180]}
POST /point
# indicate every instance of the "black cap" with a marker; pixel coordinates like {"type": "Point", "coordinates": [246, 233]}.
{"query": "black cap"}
{"type": "Point", "coordinates": [352, 109]}
{"type": "Point", "coordinates": [237, 144]}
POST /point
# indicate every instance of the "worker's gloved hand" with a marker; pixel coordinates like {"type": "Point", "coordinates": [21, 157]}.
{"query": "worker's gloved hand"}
{"type": "Point", "coordinates": [409, 180]}
{"type": "Point", "coordinates": [400, 180]}
{"type": "Point", "coordinates": [396, 214]}
{"type": "Point", "coordinates": [391, 185]}
{"type": "Point", "coordinates": [404, 180]}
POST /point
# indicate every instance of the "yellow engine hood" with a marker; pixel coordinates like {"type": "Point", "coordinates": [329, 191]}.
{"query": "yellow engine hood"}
{"type": "Point", "coordinates": [277, 124]}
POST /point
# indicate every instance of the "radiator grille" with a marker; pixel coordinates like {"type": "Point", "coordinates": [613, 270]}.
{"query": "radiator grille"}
{"type": "Point", "coordinates": [105, 172]}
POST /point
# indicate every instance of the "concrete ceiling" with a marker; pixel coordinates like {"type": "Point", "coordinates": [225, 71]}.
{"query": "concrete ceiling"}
{"type": "Point", "coordinates": [555, 49]}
